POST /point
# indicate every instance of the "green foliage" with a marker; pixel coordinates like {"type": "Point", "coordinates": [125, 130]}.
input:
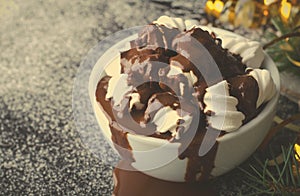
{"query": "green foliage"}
{"type": "Point", "coordinates": [284, 45]}
{"type": "Point", "coordinates": [282, 178]}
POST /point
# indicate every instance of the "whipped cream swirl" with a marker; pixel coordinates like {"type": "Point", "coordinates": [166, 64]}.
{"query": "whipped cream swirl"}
{"type": "Point", "coordinates": [266, 86]}
{"type": "Point", "coordinates": [251, 51]}
{"type": "Point", "coordinates": [178, 23]}
{"type": "Point", "coordinates": [221, 108]}
{"type": "Point", "coordinates": [166, 119]}
{"type": "Point", "coordinates": [118, 88]}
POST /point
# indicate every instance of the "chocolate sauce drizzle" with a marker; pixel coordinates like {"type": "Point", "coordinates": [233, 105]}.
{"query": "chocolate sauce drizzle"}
{"type": "Point", "coordinates": [147, 65]}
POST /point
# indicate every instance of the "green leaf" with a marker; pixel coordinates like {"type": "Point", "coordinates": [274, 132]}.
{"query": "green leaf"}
{"type": "Point", "coordinates": [285, 157]}
{"type": "Point", "coordinates": [276, 164]}
{"type": "Point", "coordinates": [270, 35]}
{"type": "Point", "coordinates": [264, 171]}
{"type": "Point", "coordinates": [281, 180]}
{"type": "Point", "coordinates": [256, 171]}
{"type": "Point", "coordinates": [251, 176]}
{"type": "Point", "coordinates": [259, 191]}
{"type": "Point", "coordinates": [279, 24]}
{"type": "Point", "coordinates": [291, 174]}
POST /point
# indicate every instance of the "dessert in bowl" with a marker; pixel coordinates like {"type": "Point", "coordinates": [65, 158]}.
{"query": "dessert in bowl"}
{"type": "Point", "coordinates": [183, 102]}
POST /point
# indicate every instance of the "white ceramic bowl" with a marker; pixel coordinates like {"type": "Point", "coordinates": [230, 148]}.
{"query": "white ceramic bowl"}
{"type": "Point", "coordinates": [159, 158]}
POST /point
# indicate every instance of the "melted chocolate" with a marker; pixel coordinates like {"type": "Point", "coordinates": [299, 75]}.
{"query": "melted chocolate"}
{"type": "Point", "coordinates": [186, 44]}
{"type": "Point", "coordinates": [198, 167]}
{"type": "Point", "coordinates": [119, 124]}
{"type": "Point", "coordinates": [245, 89]}
{"type": "Point", "coordinates": [228, 64]}
{"type": "Point", "coordinates": [147, 66]}
{"type": "Point", "coordinates": [142, 66]}
{"type": "Point", "coordinates": [135, 183]}
{"type": "Point", "coordinates": [155, 36]}
{"type": "Point", "coordinates": [186, 65]}
{"type": "Point", "coordinates": [159, 100]}
{"type": "Point", "coordinates": [100, 97]}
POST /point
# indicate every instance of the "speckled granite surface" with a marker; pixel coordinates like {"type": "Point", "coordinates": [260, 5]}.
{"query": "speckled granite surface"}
{"type": "Point", "coordinates": [41, 46]}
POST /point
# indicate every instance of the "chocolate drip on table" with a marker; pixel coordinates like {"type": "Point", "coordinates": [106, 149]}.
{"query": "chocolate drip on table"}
{"type": "Point", "coordinates": [135, 183]}
{"type": "Point", "coordinates": [147, 66]}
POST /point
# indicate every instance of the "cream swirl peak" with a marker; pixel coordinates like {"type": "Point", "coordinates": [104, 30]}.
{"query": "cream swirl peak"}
{"type": "Point", "coordinates": [266, 85]}
{"type": "Point", "coordinates": [178, 23]}
{"type": "Point", "coordinates": [171, 22]}
{"type": "Point", "coordinates": [118, 88]}
{"type": "Point", "coordinates": [221, 108]}
{"type": "Point", "coordinates": [251, 51]}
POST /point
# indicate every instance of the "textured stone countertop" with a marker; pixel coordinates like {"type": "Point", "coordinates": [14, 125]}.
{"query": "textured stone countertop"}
{"type": "Point", "coordinates": [42, 44]}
